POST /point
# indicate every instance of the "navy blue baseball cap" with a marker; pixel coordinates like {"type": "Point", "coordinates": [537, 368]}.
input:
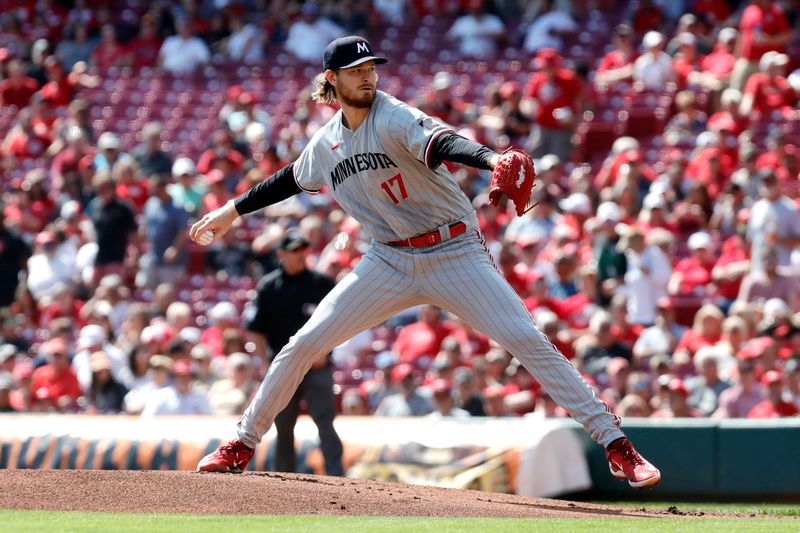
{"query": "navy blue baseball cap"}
{"type": "Point", "coordinates": [347, 52]}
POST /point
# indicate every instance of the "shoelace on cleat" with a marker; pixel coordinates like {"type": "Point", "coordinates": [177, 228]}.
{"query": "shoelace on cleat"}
{"type": "Point", "coordinates": [630, 455]}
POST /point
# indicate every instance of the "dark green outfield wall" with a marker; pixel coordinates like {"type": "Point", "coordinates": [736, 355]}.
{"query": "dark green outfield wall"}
{"type": "Point", "coordinates": [707, 458]}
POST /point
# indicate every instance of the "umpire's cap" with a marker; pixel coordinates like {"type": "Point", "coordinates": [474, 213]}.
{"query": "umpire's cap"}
{"type": "Point", "coordinates": [347, 52]}
{"type": "Point", "coordinates": [292, 240]}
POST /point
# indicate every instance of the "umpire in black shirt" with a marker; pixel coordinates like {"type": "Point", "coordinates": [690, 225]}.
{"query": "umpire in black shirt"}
{"type": "Point", "coordinates": [285, 299]}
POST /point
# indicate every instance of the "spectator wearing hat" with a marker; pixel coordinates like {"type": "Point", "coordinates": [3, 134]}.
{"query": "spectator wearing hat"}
{"type": "Point", "coordinates": [705, 388]}
{"type": "Point", "coordinates": [477, 31]}
{"type": "Point", "coordinates": [188, 189]}
{"type": "Point", "coordinates": [163, 229]}
{"type": "Point", "coordinates": [552, 93]}
{"type": "Point", "coordinates": [678, 402]}
{"type": "Point", "coordinates": [616, 66]}
{"type": "Point", "coordinates": [308, 36]}
{"type": "Point", "coordinates": [178, 398]}
{"type": "Point", "coordinates": [8, 358]}
{"type": "Point", "coordinates": [231, 395]}
{"type": "Point", "coordinates": [768, 90]}
{"type": "Point", "coordinates": [285, 299]}
{"type": "Point", "coordinates": [774, 406]}
{"type": "Point", "coordinates": [686, 61]}
{"type": "Point", "coordinates": [653, 69]}
{"type": "Point", "coordinates": [104, 395]}
{"type": "Point", "coordinates": [114, 223]}
{"type": "Point", "coordinates": [439, 100]}
{"type": "Point", "coordinates": [54, 386]}
{"type": "Point", "coordinates": [774, 221]}
{"type": "Point", "coordinates": [692, 274]}
{"type": "Point", "coordinates": [149, 154]}
{"type": "Point", "coordinates": [110, 146]}
{"type": "Point", "coordinates": [408, 401]}
{"type": "Point", "coordinates": [17, 88]}
{"type": "Point", "coordinates": [183, 54]}
{"type": "Point", "coordinates": [763, 27]}
{"type": "Point", "coordinates": [94, 338]}
{"type": "Point", "coordinates": [443, 401]}
{"type": "Point", "coordinates": [548, 28]}
{"type": "Point", "coordinates": [769, 283]}
{"type": "Point", "coordinates": [221, 317]}
{"type": "Point", "coordinates": [716, 67]}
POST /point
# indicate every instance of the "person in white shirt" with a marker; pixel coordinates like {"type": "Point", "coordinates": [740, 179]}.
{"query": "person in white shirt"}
{"type": "Point", "coordinates": [477, 31]}
{"type": "Point", "coordinates": [309, 36]}
{"type": "Point", "coordinates": [646, 277]}
{"type": "Point", "coordinates": [774, 221]}
{"type": "Point", "coordinates": [93, 338]}
{"type": "Point", "coordinates": [49, 267]}
{"type": "Point", "coordinates": [653, 70]}
{"type": "Point", "coordinates": [179, 398]}
{"type": "Point", "coordinates": [546, 29]}
{"type": "Point", "coordinates": [443, 402]}
{"type": "Point", "coordinates": [183, 53]}
{"type": "Point", "coordinates": [245, 43]}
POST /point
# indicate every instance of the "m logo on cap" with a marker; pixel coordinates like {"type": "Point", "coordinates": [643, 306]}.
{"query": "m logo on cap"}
{"type": "Point", "coordinates": [361, 48]}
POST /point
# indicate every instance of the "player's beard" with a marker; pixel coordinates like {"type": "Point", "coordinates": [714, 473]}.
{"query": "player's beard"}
{"type": "Point", "coordinates": [355, 99]}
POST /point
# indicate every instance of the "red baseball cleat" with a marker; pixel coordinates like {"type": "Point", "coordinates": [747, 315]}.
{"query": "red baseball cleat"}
{"type": "Point", "coordinates": [626, 463]}
{"type": "Point", "coordinates": [231, 457]}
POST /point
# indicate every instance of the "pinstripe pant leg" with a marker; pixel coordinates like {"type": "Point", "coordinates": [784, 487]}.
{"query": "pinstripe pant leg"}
{"type": "Point", "coordinates": [463, 279]}
{"type": "Point", "coordinates": [377, 288]}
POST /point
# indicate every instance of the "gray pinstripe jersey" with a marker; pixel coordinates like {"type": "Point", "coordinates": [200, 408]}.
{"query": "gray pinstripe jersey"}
{"type": "Point", "coordinates": [380, 173]}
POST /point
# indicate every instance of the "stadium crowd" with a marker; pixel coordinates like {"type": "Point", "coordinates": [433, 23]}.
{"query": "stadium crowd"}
{"type": "Point", "coordinates": [664, 265]}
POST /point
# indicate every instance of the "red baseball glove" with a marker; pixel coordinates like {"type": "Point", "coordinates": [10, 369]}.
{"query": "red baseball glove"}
{"type": "Point", "coordinates": [513, 176]}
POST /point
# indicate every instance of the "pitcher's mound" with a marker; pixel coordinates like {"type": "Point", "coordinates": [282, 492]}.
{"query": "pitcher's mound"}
{"type": "Point", "coordinates": [267, 493]}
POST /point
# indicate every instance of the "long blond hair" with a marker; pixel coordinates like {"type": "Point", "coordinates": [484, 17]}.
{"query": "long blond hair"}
{"type": "Point", "coordinates": [324, 91]}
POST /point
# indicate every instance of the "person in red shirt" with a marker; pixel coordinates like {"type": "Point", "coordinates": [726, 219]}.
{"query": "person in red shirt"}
{"type": "Point", "coordinates": [220, 155]}
{"type": "Point", "coordinates": [717, 66]}
{"type": "Point", "coordinates": [705, 331]}
{"type": "Point", "coordinates": [144, 48]}
{"type": "Point", "coordinates": [109, 53]}
{"type": "Point", "coordinates": [781, 157]}
{"type": "Point", "coordinates": [18, 88]}
{"type": "Point", "coordinates": [553, 92]}
{"type": "Point", "coordinates": [617, 65]}
{"type": "Point", "coordinates": [729, 270]}
{"type": "Point", "coordinates": [647, 16]}
{"type": "Point", "coordinates": [22, 141]}
{"type": "Point", "coordinates": [729, 102]}
{"type": "Point", "coordinates": [774, 406]}
{"type": "Point", "coordinates": [423, 337]}
{"type": "Point", "coordinates": [55, 385]}
{"type": "Point", "coordinates": [763, 28]}
{"type": "Point", "coordinates": [693, 274]}
{"type": "Point", "coordinates": [686, 61]}
{"type": "Point", "coordinates": [678, 406]}
{"type": "Point", "coordinates": [768, 90]}
{"type": "Point", "coordinates": [715, 11]}
{"type": "Point", "coordinates": [129, 184]}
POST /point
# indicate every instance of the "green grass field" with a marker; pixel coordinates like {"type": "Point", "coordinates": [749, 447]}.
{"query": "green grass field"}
{"type": "Point", "coordinates": [13, 521]}
{"type": "Point", "coordinates": [758, 509]}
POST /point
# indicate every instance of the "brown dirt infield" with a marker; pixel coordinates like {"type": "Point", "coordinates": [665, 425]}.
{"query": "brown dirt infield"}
{"type": "Point", "coordinates": [272, 494]}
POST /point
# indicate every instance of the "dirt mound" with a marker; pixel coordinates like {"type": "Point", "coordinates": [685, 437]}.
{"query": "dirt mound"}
{"type": "Point", "coordinates": [268, 493]}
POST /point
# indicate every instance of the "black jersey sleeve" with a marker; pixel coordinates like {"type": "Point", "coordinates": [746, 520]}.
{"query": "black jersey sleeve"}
{"type": "Point", "coordinates": [272, 190]}
{"type": "Point", "coordinates": [453, 147]}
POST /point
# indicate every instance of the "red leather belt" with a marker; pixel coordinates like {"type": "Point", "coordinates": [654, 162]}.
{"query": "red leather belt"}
{"type": "Point", "coordinates": [430, 238]}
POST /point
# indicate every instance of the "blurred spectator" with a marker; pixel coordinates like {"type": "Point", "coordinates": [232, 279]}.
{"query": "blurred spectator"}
{"type": "Point", "coordinates": [781, 158]}
{"type": "Point", "coordinates": [222, 316]}
{"type": "Point", "coordinates": [130, 186]}
{"type": "Point", "coordinates": [149, 155]}
{"type": "Point", "coordinates": [647, 16]}
{"type": "Point", "coordinates": [93, 339]}
{"type": "Point", "coordinates": [144, 48]}
{"type": "Point", "coordinates": [245, 42]}
{"type": "Point", "coordinates": [217, 194]}
{"type": "Point", "coordinates": [104, 395]}
{"type": "Point", "coordinates": [548, 28]}
{"type": "Point", "coordinates": [716, 67]}
{"type": "Point", "coordinates": [110, 146]}
{"type": "Point", "coordinates": [423, 338]}
{"type": "Point", "coordinates": [477, 31]}
{"type": "Point", "coordinates": [309, 36]}
{"type": "Point", "coordinates": [183, 53]}
{"type": "Point", "coordinates": [49, 266]}
{"type": "Point", "coordinates": [653, 69]}
{"type": "Point", "coordinates": [686, 61]}
{"type": "Point", "coordinates": [646, 276]}
{"type": "Point", "coordinates": [774, 406]}
{"type": "Point", "coordinates": [738, 400]}
{"type": "Point", "coordinates": [163, 230]}
{"type": "Point", "coordinates": [113, 223]}
{"type": "Point", "coordinates": [6, 386]}
{"type": "Point", "coordinates": [684, 127]}
{"type": "Point", "coordinates": [617, 65]}
{"type": "Point", "coordinates": [75, 47]}
{"type": "Point", "coordinates": [705, 388]}
{"type": "Point", "coordinates": [678, 404]}
{"type": "Point", "coordinates": [769, 283]}
{"type": "Point", "coordinates": [144, 387]}
{"type": "Point", "coordinates": [109, 52]}
{"type": "Point", "coordinates": [466, 392]}
{"type": "Point", "coordinates": [178, 398]}
{"type": "Point", "coordinates": [763, 28]}
{"type": "Point", "coordinates": [443, 402]}
{"type": "Point", "coordinates": [231, 395]}
{"type": "Point", "coordinates": [692, 275]}
{"type": "Point", "coordinates": [705, 331]}
{"type": "Point", "coordinates": [768, 90]}
{"type": "Point", "coordinates": [408, 401]}
{"type": "Point", "coordinates": [552, 92]}
{"type": "Point", "coordinates": [774, 220]}
{"type": "Point", "coordinates": [601, 345]}
{"type": "Point", "coordinates": [188, 189]}
{"type": "Point", "coordinates": [17, 88]}
{"type": "Point", "coordinates": [54, 385]}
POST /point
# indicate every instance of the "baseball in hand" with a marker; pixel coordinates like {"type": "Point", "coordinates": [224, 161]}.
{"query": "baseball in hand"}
{"type": "Point", "coordinates": [206, 238]}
